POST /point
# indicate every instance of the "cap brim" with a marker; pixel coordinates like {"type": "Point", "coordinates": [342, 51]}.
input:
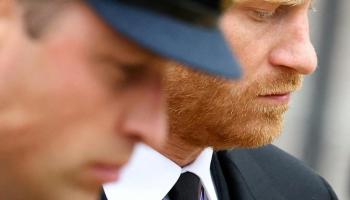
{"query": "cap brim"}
{"type": "Point", "coordinates": [197, 47]}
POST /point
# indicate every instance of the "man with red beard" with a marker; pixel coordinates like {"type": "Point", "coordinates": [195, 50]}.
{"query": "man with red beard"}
{"type": "Point", "coordinates": [271, 40]}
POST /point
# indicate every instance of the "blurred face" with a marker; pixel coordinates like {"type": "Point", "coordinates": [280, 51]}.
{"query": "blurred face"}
{"type": "Point", "coordinates": [271, 41]}
{"type": "Point", "coordinates": [72, 105]}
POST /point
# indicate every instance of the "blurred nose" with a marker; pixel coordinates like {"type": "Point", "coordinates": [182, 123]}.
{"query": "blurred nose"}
{"type": "Point", "coordinates": [145, 117]}
{"type": "Point", "coordinates": [294, 49]}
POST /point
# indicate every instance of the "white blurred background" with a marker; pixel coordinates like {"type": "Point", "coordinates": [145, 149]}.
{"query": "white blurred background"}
{"type": "Point", "coordinates": [317, 128]}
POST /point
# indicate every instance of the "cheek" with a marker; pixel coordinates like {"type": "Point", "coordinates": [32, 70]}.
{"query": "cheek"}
{"type": "Point", "coordinates": [240, 40]}
{"type": "Point", "coordinates": [249, 40]}
{"type": "Point", "coordinates": [50, 109]}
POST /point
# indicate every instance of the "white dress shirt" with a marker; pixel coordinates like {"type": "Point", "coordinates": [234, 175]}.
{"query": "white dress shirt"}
{"type": "Point", "coordinates": [150, 176]}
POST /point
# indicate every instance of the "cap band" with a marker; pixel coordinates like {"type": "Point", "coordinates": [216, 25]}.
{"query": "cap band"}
{"type": "Point", "coordinates": [201, 13]}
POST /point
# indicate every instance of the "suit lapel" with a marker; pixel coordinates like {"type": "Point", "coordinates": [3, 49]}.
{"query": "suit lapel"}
{"type": "Point", "coordinates": [244, 177]}
{"type": "Point", "coordinates": [219, 179]}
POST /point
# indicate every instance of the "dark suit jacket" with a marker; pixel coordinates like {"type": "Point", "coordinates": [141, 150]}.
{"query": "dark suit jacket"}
{"type": "Point", "coordinates": [265, 173]}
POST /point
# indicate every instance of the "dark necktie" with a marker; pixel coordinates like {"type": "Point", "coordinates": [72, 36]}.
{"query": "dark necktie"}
{"type": "Point", "coordinates": [103, 195]}
{"type": "Point", "coordinates": [186, 188]}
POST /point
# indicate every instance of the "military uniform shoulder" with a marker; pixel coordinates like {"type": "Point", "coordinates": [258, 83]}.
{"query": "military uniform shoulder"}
{"type": "Point", "coordinates": [284, 173]}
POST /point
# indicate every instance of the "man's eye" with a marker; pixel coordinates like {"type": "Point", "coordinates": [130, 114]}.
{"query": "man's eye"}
{"type": "Point", "coordinates": [262, 15]}
{"type": "Point", "coordinates": [134, 74]}
{"type": "Point", "coordinates": [119, 75]}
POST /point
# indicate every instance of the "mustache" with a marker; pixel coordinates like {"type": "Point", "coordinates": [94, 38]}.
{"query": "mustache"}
{"type": "Point", "coordinates": [280, 83]}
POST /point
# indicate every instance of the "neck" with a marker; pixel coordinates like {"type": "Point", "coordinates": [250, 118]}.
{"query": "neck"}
{"type": "Point", "coordinates": [180, 151]}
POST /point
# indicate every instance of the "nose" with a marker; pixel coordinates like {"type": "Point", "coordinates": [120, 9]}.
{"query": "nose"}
{"type": "Point", "coordinates": [294, 49]}
{"type": "Point", "coordinates": [145, 118]}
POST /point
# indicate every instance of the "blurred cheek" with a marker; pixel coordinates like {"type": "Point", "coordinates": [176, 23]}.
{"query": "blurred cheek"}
{"type": "Point", "coordinates": [49, 117]}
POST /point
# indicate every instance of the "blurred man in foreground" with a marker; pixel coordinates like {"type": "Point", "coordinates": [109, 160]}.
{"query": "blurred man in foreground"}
{"type": "Point", "coordinates": [271, 40]}
{"type": "Point", "coordinates": [80, 83]}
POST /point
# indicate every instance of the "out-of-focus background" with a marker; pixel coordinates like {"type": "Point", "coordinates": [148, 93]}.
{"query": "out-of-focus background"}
{"type": "Point", "coordinates": [317, 128]}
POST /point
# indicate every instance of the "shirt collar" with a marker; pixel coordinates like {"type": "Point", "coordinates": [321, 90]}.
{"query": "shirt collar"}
{"type": "Point", "coordinates": [150, 175]}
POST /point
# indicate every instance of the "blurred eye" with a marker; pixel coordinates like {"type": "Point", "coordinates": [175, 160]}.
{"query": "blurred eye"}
{"type": "Point", "coordinates": [134, 74]}
{"type": "Point", "coordinates": [117, 75]}
{"type": "Point", "coordinates": [122, 76]}
{"type": "Point", "coordinates": [262, 15]}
